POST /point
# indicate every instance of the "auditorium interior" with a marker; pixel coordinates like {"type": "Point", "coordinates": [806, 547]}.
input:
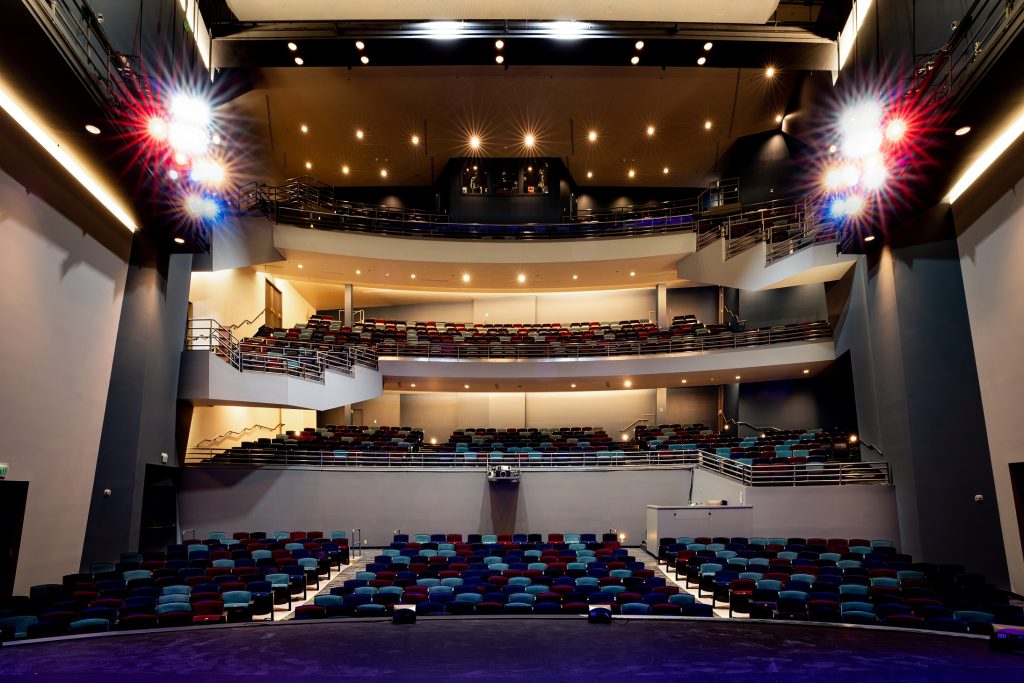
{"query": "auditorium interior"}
{"type": "Point", "coordinates": [378, 340]}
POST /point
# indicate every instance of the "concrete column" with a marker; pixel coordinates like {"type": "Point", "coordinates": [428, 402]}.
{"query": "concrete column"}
{"type": "Point", "coordinates": [348, 305]}
{"type": "Point", "coordinates": [662, 306]}
{"type": "Point", "coordinates": [661, 412]}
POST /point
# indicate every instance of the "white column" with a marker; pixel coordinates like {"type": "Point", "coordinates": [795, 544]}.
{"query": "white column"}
{"type": "Point", "coordinates": [348, 305]}
{"type": "Point", "coordinates": [662, 306]}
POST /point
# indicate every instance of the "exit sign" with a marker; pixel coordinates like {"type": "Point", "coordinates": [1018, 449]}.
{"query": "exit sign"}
{"type": "Point", "coordinates": [3, 469]}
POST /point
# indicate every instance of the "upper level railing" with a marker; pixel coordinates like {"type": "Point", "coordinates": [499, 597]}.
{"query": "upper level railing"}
{"type": "Point", "coordinates": [806, 474]}
{"type": "Point", "coordinates": [307, 363]}
{"type": "Point", "coordinates": [689, 344]}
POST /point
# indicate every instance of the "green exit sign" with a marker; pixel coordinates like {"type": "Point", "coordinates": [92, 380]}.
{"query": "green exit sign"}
{"type": "Point", "coordinates": [3, 469]}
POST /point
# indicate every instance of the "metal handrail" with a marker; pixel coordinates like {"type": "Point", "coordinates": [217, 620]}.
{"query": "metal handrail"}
{"type": "Point", "coordinates": [804, 474]}
{"type": "Point", "coordinates": [310, 364]}
{"type": "Point", "coordinates": [232, 432]}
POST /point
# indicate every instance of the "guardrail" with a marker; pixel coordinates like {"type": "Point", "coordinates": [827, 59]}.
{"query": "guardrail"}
{"type": "Point", "coordinates": [809, 474]}
{"type": "Point", "coordinates": [689, 344]}
{"type": "Point", "coordinates": [306, 363]}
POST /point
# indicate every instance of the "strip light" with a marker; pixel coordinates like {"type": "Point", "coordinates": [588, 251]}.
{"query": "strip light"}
{"type": "Point", "coordinates": [65, 158]}
{"type": "Point", "coordinates": [987, 158]}
{"type": "Point", "coordinates": [848, 36]}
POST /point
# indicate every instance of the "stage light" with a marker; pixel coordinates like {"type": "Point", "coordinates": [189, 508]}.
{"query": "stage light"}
{"type": "Point", "coordinates": [173, 174]}
{"type": "Point", "coordinates": [708, 46]}
{"type": "Point", "coordinates": [208, 172]}
{"type": "Point", "coordinates": [592, 136]}
{"type": "Point", "coordinates": [293, 47]}
{"type": "Point", "coordinates": [875, 174]}
{"type": "Point", "coordinates": [869, 238]}
{"type": "Point", "coordinates": [837, 207]}
{"type": "Point", "coordinates": [200, 207]}
{"type": "Point", "coordinates": [188, 139]}
{"type": "Point", "coordinates": [498, 44]}
{"type": "Point", "coordinates": [360, 45]}
{"type": "Point", "coordinates": [634, 60]}
{"type": "Point", "coordinates": [701, 61]}
{"type": "Point", "coordinates": [181, 159]}
{"type": "Point", "coordinates": [190, 109]}
{"type": "Point", "coordinates": [861, 129]}
{"type": "Point", "coordinates": [364, 59]}
{"type": "Point", "coordinates": [855, 205]}
{"type": "Point", "coordinates": [521, 278]}
{"type": "Point", "coordinates": [299, 61]}
{"type": "Point", "coordinates": [962, 130]}
{"type": "Point", "coordinates": [499, 59]}
{"type": "Point", "coordinates": [91, 129]}
{"type": "Point", "coordinates": [157, 128]}
{"type": "Point", "coordinates": [832, 149]}
{"type": "Point", "coordinates": [895, 130]}
{"type": "Point", "coordinates": [179, 240]}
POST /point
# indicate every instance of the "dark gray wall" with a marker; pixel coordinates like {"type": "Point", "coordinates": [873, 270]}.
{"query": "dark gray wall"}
{"type": "Point", "coordinates": [826, 401]}
{"type": "Point", "coordinates": [783, 306]}
{"type": "Point", "coordinates": [691, 405]}
{"type": "Point", "coordinates": [700, 301]}
{"type": "Point", "coordinates": [140, 421]}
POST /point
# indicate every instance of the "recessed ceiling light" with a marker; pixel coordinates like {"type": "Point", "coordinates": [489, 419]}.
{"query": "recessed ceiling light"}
{"type": "Point", "coordinates": [769, 72]}
{"type": "Point", "coordinates": [383, 173]}
{"type": "Point", "coordinates": [639, 45]}
{"type": "Point", "coordinates": [360, 45]}
{"type": "Point", "coordinates": [707, 125]}
{"type": "Point", "coordinates": [499, 59]}
{"type": "Point", "coordinates": [364, 59]}
{"type": "Point", "coordinates": [665, 170]}
{"type": "Point", "coordinates": [737, 377]}
{"type": "Point", "coordinates": [683, 381]}
{"type": "Point", "coordinates": [634, 60]}
{"type": "Point", "coordinates": [575, 277]}
{"type": "Point", "coordinates": [650, 131]}
{"type": "Point", "coordinates": [592, 136]}
{"type": "Point", "coordinates": [300, 61]}
{"type": "Point", "coordinates": [413, 386]}
{"type": "Point", "coordinates": [300, 266]}
{"type": "Point", "coordinates": [632, 273]}
{"type": "Point", "coordinates": [572, 386]}
{"type": "Point", "coordinates": [465, 386]}
{"type": "Point", "coordinates": [498, 44]}
{"type": "Point", "coordinates": [359, 133]}
{"type": "Point", "coordinates": [415, 139]}
{"type": "Point", "coordinates": [465, 277]}
{"type": "Point", "coordinates": [304, 128]}
{"type": "Point", "coordinates": [359, 272]}
{"type": "Point", "coordinates": [92, 129]}
{"type": "Point", "coordinates": [869, 238]}
{"type": "Point", "coordinates": [179, 240]}
{"type": "Point", "coordinates": [807, 372]}
{"type": "Point", "coordinates": [628, 383]}
{"type": "Point", "coordinates": [832, 149]}
{"type": "Point", "coordinates": [521, 278]}
{"type": "Point", "coordinates": [529, 140]}
{"type": "Point", "coordinates": [701, 61]}
{"type": "Point", "coordinates": [309, 165]}
{"type": "Point", "coordinates": [778, 118]}
{"type": "Point", "coordinates": [963, 130]}
{"type": "Point", "coordinates": [474, 142]}
{"type": "Point", "coordinates": [413, 276]}
{"type": "Point", "coordinates": [590, 174]}
{"type": "Point", "coordinates": [345, 169]}
{"type": "Point", "coordinates": [708, 45]}
{"type": "Point", "coordinates": [293, 47]}
{"type": "Point", "coordinates": [631, 173]}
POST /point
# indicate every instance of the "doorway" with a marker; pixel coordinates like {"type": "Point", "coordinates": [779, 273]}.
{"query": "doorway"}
{"type": "Point", "coordinates": [272, 306]}
{"type": "Point", "coordinates": [1017, 483]}
{"type": "Point", "coordinates": [13, 496]}
{"type": "Point", "coordinates": [158, 526]}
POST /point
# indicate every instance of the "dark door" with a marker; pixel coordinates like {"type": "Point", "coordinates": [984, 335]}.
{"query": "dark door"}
{"type": "Point", "coordinates": [272, 305]}
{"type": "Point", "coordinates": [13, 495]}
{"type": "Point", "coordinates": [159, 523]}
{"type": "Point", "coordinates": [1017, 482]}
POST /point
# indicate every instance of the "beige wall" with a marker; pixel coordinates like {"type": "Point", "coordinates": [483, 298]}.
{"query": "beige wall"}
{"type": "Point", "coordinates": [210, 422]}
{"type": "Point", "coordinates": [236, 295]}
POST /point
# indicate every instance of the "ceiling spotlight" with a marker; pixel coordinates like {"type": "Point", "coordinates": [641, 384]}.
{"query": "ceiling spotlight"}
{"type": "Point", "coordinates": [413, 276]}
{"type": "Point", "coordinates": [832, 149]}
{"type": "Point", "coordinates": [293, 47]}
{"type": "Point", "coordinates": [383, 173]}
{"type": "Point", "coordinates": [650, 131]}
{"type": "Point", "coordinates": [415, 139]}
{"type": "Point", "coordinates": [474, 142]}
{"type": "Point", "coordinates": [628, 383]}
{"type": "Point", "coordinates": [895, 130]}
{"type": "Point", "coordinates": [300, 266]}
{"type": "Point", "coordinates": [632, 273]}
{"type": "Point", "coordinates": [575, 277]}
{"type": "Point", "coordinates": [572, 386]}
{"type": "Point", "coordinates": [465, 386]}
{"type": "Point", "coordinates": [778, 118]}
{"type": "Point", "coordinates": [208, 172]}
{"type": "Point", "coordinates": [769, 72]}
{"type": "Point", "coordinates": [737, 376]}
{"type": "Point", "coordinates": [639, 45]}
{"type": "Point", "coordinates": [413, 386]}
{"type": "Point", "coordinates": [807, 372]}
{"type": "Point", "coordinates": [631, 173]}
{"type": "Point", "coordinates": [963, 130]}
{"type": "Point", "coordinates": [359, 133]}
{"type": "Point", "coordinates": [179, 240]}
{"type": "Point", "coordinates": [634, 60]}
{"type": "Point", "coordinates": [300, 61]}
{"type": "Point", "coordinates": [682, 381]}
{"type": "Point", "coordinates": [344, 169]}
{"type": "Point", "coordinates": [861, 128]}
{"type": "Point", "coordinates": [364, 59]}
{"type": "Point", "coordinates": [592, 136]}
{"type": "Point", "coordinates": [521, 278]}
{"type": "Point", "coordinates": [708, 46]}
{"type": "Point", "coordinates": [498, 44]}
{"type": "Point", "coordinates": [304, 128]}
{"type": "Point", "coordinates": [359, 272]}
{"type": "Point", "coordinates": [701, 61]}
{"type": "Point", "coordinates": [529, 140]}
{"type": "Point", "coordinates": [92, 129]}
{"type": "Point", "coordinates": [869, 238]}
{"type": "Point", "coordinates": [707, 125]}
{"type": "Point", "coordinates": [499, 59]}
{"type": "Point", "coordinates": [665, 170]}
{"type": "Point", "coordinates": [465, 277]}
{"type": "Point", "coordinates": [309, 165]}
{"type": "Point", "coordinates": [360, 45]}
{"type": "Point", "coordinates": [590, 174]}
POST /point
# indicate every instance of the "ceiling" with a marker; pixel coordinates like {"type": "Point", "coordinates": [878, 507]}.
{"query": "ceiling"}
{"type": "Point", "coordinates": [734, 11]}
{"type": "Point", "coordinates": [444, 106]}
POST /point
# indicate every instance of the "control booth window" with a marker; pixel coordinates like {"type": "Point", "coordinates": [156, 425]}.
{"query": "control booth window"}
{"type": "Point", "coordinates": [535, 177]}
{"type": "Point", "coordinates": [474, 179]}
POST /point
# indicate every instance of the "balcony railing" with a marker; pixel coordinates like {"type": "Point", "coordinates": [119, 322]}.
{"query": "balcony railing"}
{"type": "Point", "coordinates": [809, 474]}
{"type": "Point", "coordinates": [309, 363]}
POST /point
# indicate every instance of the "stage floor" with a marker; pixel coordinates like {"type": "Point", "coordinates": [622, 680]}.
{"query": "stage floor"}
{"type": "Point", "coordinates": [515, 649]}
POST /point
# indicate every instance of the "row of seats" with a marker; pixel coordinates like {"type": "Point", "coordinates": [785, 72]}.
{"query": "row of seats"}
{"type": "Point", "coordinates": [851, 580]}
{"type": "Point", "coordinates": [222, 578]}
